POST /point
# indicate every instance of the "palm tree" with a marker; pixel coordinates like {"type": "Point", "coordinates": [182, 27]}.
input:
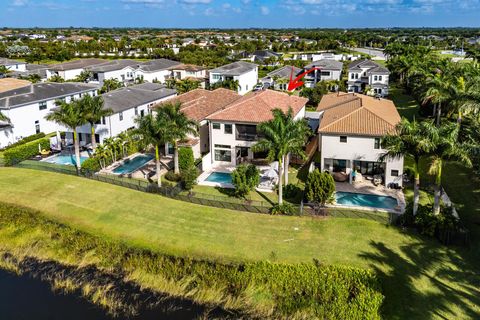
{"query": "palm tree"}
{"type": "Point", "coordinates": [111, 146]}
{"type": "Point", "coordinates": [71, 116]}
{"type": "Point", "coordinates": [94, 111]}
{"type": "Point", "coordinates": [437, 93]}
{"type": "Point", "coordinates": [179, 126]}
{"type": "Point", "coordinates": [101, 153]}
{"type": "Point", "coordinates": [446, 146]}
{"type": "Point", "coordinates": [409, 139]}
{"type": "Point", "coordinates": [282, 136]}
{"type": "Point", "coordinates": [153, 131]}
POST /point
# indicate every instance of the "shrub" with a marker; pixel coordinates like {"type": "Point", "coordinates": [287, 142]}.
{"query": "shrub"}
{"type": "Point", "coordinates": [284, 208]}
{"type": "Point", "coordinates": [25, 151]}
{"type": "Point", "coordinates": [185, 158]}
{"type": "Point", "coordinates": [33, 137]}
{"type": "Point", "coordinates": [245, 179]}
{"type": "Point", "coordinates": [172, 176]}
{"type": "Point", "coordinates": [291, 191]}
{"type": "Point", "coordinates": [189, 178]}
{"type": "Point", "coordinates": [319, 188]}
{"type": "Point", "coordinates": [90, 166]}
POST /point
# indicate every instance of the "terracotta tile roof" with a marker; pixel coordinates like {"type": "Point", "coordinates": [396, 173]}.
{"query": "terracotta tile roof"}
{"type": "Point", "coordinates": [357, 114]}
{"type": "Point", "coordinates": [257, 107]}
{"type": "Point", "coordinates": [200, 103]}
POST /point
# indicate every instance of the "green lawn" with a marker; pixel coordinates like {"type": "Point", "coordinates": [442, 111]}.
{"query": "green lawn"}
{"type": "Point", "coordinates": [407, 106]}
{"type": "Point", "coordinates": [421, 279]}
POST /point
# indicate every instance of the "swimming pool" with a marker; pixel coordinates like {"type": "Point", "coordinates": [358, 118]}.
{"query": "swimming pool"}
{"type": "Point", "coordinates": [65, 159]}
{"type": "Point", "coordinates": [365, 200]}
{"type": "Point", "coordinates": [131, 165]}
{"type": "Point", "coordinates": [219, 177]}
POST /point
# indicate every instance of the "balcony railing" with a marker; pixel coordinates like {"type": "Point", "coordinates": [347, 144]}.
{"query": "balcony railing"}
{"type": "Point", "coordinates": [247, 136]}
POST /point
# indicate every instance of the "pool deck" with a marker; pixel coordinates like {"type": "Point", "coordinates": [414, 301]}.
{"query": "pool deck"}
{"type": "Point", "coordinates": [368, 188]}
{"type": "Point", "coordinates": [142, 172]}
{"type": "Point", "coordinates": [201, 180]}
{"type": "Point", "coordinates": [83, 154]}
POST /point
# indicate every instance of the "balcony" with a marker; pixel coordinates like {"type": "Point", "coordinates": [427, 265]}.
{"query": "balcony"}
{"type": "Point", "coordinates": [246, 136]}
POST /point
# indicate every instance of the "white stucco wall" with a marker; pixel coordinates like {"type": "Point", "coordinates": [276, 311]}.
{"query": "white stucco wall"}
{"type": "Point", "coordinates": [246, 80]}
{"type": "Point", "coordinates": [22, 67]}
{"type": "Point", "coordinates": [357, 148]}
{"type": "Point", "coordinates": [151, 76]}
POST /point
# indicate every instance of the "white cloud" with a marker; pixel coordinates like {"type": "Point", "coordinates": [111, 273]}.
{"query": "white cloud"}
{"type": "Point", "coordinates": [264, 10]}
{"type": "Point", "coordinates": [19, 3]}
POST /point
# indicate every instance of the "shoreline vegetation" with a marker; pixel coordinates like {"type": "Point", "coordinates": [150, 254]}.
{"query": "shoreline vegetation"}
{"type": "Point", "coordinates": [124, 280]}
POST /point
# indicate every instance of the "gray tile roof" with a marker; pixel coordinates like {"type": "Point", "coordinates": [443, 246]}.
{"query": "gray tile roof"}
{"type": "Point", "coordinates": [9, 62]}
{"type": "Point", "coordinates": [114, 65]}
{"type": "Point", "coordinates": [130, 97]}
{"type": "Point", "coordinates": [42, 92]}
{"type": "Point", "coordinates": [326, 64]}
{"type": "Point", "coordinates": [363, 64]}
{"type": "Point", "coordinates": [235, 69]}
{"type": "Point", "coordinates": [157, 65]}
{"type": "Point", "coordinates": [77, 64]}
{"type": "Point", "coordinates": [284, 72]}
{"type": "Point", "coordinates": [378, 70]}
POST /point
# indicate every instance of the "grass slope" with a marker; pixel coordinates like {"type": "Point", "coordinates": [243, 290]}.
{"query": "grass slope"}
{"type": "Point", "coordinates": [421, 280]}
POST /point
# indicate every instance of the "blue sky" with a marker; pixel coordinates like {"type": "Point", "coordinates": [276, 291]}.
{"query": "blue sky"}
{"type": "Point", "coordinates": [239, 13]}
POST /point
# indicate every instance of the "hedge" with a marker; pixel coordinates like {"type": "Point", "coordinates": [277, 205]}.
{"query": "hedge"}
{"type": "Point", "coordinates": [25, 140]}
{"type": "Point", "coordinates": [185, 158]}
{"type": "Point", "coordinates": [25, 151]}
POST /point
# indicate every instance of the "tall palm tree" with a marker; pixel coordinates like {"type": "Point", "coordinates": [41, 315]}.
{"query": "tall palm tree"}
{"type": "Point", "coordinates": [111, 146]}
{"type": "Point", "coordinates": [409, 139]}
{"type": "Point", "coordinates": [438, 92]}
{"type": "Point", "coordinates": [71, 116]}
{"type": "Point", "coordinates": [282, 136]}
{"type": "Point", "coordinates": [101, 153]}
{"type": "Point", "coordinates": [94, 111]}
{"type": "Point", "coordinates": [179, 126]}
{"type": "Point", "coordinates": [446, 146]}
{"type": "Point", "coordinates": [153, 131]}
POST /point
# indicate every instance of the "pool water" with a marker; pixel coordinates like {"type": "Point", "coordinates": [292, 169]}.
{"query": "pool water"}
{"type": "Point", "coordinates": [65, 159]}
{"type": "Point", "coordinates": [365, 200]}
{"type": "Point", "coordinates": [131, 165]}
{"type": "Point", "coordinates": [219, 177]}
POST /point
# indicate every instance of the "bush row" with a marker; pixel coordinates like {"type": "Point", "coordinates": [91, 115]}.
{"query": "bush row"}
{"type": "Point", "coordinates": [33, 137]}
{"type": "Point", "coordinates": [25, 151]}
{"type": "Point", "coordinates": [260, 289]}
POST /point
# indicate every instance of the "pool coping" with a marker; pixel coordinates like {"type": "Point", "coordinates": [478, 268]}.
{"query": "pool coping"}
{"type": "Point", "coordinates": [117, 164]}
{"type": "Point", "coordinates": [63, 164]}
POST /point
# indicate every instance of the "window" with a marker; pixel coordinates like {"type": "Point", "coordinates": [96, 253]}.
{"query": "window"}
{"type": "Point", "coordinates": [120, 116]}
{"type": "Point", "coordinates": [223, 155]}
{"type": "Point", "coordinates": [352, 75]}
{"type": "Point", "coordinates": [228, 128]}
{"type": "Point", "coordinates": [375, 78]}
{"type": "Point", "coordinates": [246, 87]}
{"type": "Point", "coordinates": [343, 139]}
{"type": "Point", "coordinates": [325, 73]}
{"type": "Point", "coordinates": [216, 77]}
{"type": "Point", "coordinates": [379, 78]}
{"type": "Point", "coordinates": [216, 125]}
{"type": "Point", "coordinates": [136, 111]}
{"type": "Point", "coordinates": [142, 113]}
{"type": "Point", "coordinates": [222, 146]}
{"type": "Point", "coordinates": [37, 126]}
{"type": "Point", "coordinates": [377, 143]}
{"type": "Point", "coordinates": [104, 121]}
{"type": "Point", "coordinates": [42, 105]}
{"type": "Point", "coordinates": [394, 173]}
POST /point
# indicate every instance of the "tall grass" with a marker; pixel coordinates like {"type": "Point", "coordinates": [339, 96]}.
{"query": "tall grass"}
{"type": "Point", "coordinates": [107, 271]}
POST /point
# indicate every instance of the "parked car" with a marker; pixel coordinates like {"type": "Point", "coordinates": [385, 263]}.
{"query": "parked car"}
{"type": "Point", "coordinates": [259, 87]}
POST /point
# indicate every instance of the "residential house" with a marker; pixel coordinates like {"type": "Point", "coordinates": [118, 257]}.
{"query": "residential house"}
{"type": "Point", "coordinates": [233, 130]}
{"type": "Point", "coordinates": [326, 70]}
{"type": "Point", "coordinates": [127, 104]}
{"type": "Point", "coordinates": [122, 70]}
{"type": "Point", "coordinates": [245, 73]}
{"type": "Point", "coordinates": [155, 70]}
{"type": "Point", "coordinates": [13, 65]}
{"type": "Point", "coordinates": [350, 132]}
{"type": "Point", "coordinates": [265, 57]}
{"type": "Point", "coordinates": [27, 106]}
{"type": "Point", "coordinates": [279, 79]}
{"type": "Point", "coordinates": [70, 70]}
{"type": "Point", "coordinates": [190, 71]}
{"type": "Point", "coordinates": [198, 104]}
{"type": "Point", "coordinates": [367, 73]}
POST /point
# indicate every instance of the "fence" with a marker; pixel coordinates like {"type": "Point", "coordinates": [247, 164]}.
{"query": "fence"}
{"type": "Point", "coordinates": [175, 191]}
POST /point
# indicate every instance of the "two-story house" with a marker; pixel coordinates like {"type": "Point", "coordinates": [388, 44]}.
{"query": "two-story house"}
{"type": "Point", "coordinates": [122, 70]}
{"type": "Point", "coordinates": [278, 79]}
{"type": "Point", "coordinates": [350, 132]}
{"type": "Point", "coordinates": [365, 73]}
{"type": "Point", "coordinates": [27, 106]}
{"type": "Point", "coordinates": [325, 70]}
{"type": "Point", "coordinates": [13, 65]}
{"type": "Point", "coordinates": [70, 70]}
{"type": "Point", "coordinates": [190, 71]}
{"type": "Point", "coordinates": [127, 104]}
{"type": "Point", "coordinates": [155, 70]}
{"type": "Point", "coordinates": [245, 73]}
{"type": "Point", "coordinates": [233, 130]}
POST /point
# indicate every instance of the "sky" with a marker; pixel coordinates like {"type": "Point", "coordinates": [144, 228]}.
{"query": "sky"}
{"type": "Point", "coordinates": [240, 13]}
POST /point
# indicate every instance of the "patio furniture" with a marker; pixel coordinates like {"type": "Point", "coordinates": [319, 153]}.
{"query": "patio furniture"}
{"type": "Point", "coordinates": [340, 176]}
{"type": "Point", "coordinates": [377, 180]}
{"type": "Point", "coordinates": [358, 177]}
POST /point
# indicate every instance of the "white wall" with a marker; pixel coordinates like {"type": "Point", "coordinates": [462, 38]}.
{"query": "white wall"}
{"type": "Point", "coordinates": [125, 74]}
{"type": "Point", "coordinates": [246, 81]}
{"type": "Point", "coordinates": [17, 67]}
{"type": "Point", "coordinates": [23, 119]}
{"type": "Point", "coordinates": [357, 148]}
{"type": "Point", "coordinates": [151, 76]}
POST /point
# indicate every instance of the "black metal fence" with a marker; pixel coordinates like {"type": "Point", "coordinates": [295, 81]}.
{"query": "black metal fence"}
{"type": "Point", "coordinates": [175, 191]}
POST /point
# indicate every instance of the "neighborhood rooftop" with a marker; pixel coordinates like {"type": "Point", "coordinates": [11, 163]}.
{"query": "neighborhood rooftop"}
{"type": "Point", "coordinates": [113, 65]}
{"type": "Point", "coordinates": [357, 114]}
{"type": "Point", "coordinates": [130, 97]}
{"type": "Point", "coordinates": [235, 68]}
{"type": "Point", "coordinates": [200, 103]}
{"type": "Point", "coordinates": [284, 72]}
{"type": "Point", "coordinates": [187, 67]}
{"type": "Point", "coordinates": [9, 62]}
{"type": "Point", "coordinates": [158, 64]}
{"type": "Point", "coordinates": [326, 64]}
{"type": "Point", "coordinates": [43, 91]}
{"type": "Point", "coordinates": [257, 107]}
{"type": "Point", "coordinates": [77, 64]}
{"type": "Point", "coordinates": [8, 84]}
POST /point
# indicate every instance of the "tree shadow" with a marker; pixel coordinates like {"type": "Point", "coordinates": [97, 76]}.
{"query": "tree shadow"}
{"type": "Point", "coordinates": [426, 281]}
